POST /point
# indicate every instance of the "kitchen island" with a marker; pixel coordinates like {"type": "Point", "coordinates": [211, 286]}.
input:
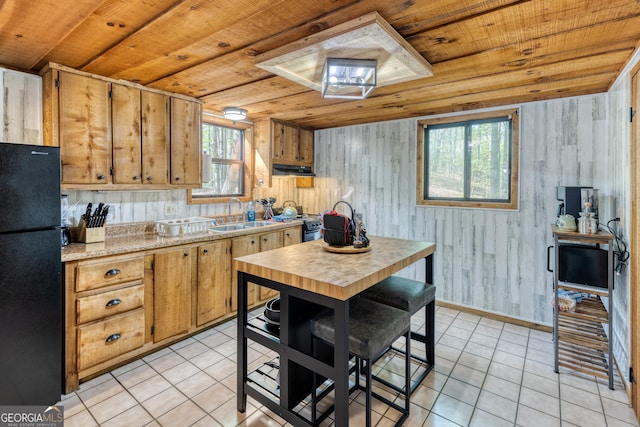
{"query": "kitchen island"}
{"type": "Point", "coordinates": [310, 280]}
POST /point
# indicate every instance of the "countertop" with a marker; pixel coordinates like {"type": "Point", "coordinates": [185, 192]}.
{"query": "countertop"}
{"type": "Point", "coordinates": [308, 266]}
{"type": "Point", "coordinates": [121, 244]}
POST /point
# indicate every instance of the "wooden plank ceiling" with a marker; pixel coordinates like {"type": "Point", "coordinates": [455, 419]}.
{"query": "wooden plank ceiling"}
{"type": "Point", "coordinates": [484, 52]}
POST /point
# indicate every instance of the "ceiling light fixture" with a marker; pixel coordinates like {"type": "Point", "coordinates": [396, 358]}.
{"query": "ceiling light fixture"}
{"type": "Point", "coordinates": [348, 78]}
{"type": "Point", "coordinates": [367, 38]}
{"type": "Point", "coordinates": [234, 113]}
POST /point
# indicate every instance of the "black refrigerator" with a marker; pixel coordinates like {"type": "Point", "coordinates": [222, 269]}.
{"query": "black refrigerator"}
{"type": "Point", "coordinates": [30, 275]}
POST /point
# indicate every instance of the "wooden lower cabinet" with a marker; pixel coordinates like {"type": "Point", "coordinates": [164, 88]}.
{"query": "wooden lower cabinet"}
{"type": "Point", "coordinates": [124, 306]}
{"type": "Point", "coordinates": [214, 276]}
{"type": "Point", "coordinates": [171, 293]}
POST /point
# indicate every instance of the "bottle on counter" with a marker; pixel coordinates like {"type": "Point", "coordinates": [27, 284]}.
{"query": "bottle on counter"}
{"type": "Point", "coordinates": [251, 212]}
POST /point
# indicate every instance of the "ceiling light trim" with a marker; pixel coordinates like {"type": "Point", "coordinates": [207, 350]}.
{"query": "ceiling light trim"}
{"type": "Point", "coordinates": [234, 113]}
{"type": "Point", "coordinates": [367, 37]}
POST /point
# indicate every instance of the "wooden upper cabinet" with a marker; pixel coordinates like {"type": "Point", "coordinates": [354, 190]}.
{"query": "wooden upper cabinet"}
{"type": "Point", "coordinates": [186, 151]}
{"type": "Point", "coordinates": [292, 145]}
{"type": "Point", "coordinates": [84, 129]}
{"type": "Point", "coordinates": [305, 146]}
{"type": "Point", "coordinates": [140, 136]}
{"type": "Point", "coordinates": [127, 149]}
{"type": "Point", "coordinates": [20, 104]}
{"type": "Point", "coordinates": [155, 138]}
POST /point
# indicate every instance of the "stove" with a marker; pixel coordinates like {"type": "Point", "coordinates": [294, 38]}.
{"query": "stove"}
{"type": "Point", "coordinates": [311, 229]}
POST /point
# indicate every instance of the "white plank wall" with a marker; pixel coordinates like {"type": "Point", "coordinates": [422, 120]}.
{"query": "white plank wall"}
{"type": "Point", "coordinates": [20, 107]}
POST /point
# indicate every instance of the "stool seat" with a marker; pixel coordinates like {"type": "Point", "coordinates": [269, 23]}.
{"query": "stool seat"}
{"type": "Point", "coordinates": [400, 292]}
{"type": "Point", "coordinates": [372, 327]}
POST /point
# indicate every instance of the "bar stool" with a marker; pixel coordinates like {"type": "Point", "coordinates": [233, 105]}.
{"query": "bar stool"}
{"type": "Point", "coordinates": [373, 327]}
{"type": "Point", "coordinates": [409, 295]}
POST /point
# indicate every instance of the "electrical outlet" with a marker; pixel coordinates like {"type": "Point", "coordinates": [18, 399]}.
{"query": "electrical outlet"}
{"type": "Point", "coordinates": [170, 209]}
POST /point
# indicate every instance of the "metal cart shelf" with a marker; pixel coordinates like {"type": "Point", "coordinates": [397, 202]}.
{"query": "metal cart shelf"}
{"type": "Point", "coordinates": [580, 340]}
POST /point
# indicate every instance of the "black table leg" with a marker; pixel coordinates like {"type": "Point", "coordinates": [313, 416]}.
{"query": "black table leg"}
{"type": "Point", "coordinates": [242, 342]}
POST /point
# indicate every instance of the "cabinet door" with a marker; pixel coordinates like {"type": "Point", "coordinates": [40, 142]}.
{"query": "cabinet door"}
{"type": "Point", "coordinates": [214, 276]}
{"type": "Point", "coordinates": [269, 241]}
{"type": "Point", "coordinates": [21, 107]}
{"type": "Point", "coordinates": [290, 144]}
{"type": "Point", "coordinates": [186, 152]}
{"type": "Point", "coordinates": [241, 246]}
{"type": "Point", "coordinates": [171, 293]}
{"type": "Point", "coordinates": [305, 146]}
{"type": "Point", "coordinates": [155, 138]}
{"type": "Point", "coordinates": [292, 236]}
{"type": "Point", "coordinates": [278, 141]}
{"type": "Point", "coordinates": [127, 151]}
{"type": "Point", "coordinates": [85, 132]}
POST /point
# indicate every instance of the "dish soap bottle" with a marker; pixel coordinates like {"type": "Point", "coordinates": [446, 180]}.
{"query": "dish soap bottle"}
{"type": "Point", "coordinates": [251, 212]}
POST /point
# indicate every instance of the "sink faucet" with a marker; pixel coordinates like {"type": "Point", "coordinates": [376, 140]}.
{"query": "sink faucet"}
{"type": "Point", "coordinates": [234, 199]}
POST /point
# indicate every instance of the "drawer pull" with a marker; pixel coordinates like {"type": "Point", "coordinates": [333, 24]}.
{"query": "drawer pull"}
{"type": "Point", "coordinates": [112, 272]}
{"type": "Point", "coordinates": [112, 338]}
{"type": "Point", "coordinates": [113, 302]}
{"type": "Point", "coordinates": [206, 251]}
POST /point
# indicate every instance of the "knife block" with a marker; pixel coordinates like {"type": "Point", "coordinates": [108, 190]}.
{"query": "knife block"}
{"type": "Point", "coordinates": [90, 235]}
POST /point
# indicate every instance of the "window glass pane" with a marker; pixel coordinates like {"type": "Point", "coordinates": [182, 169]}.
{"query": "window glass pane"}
{"type": "Point", "coordinates": [489, 161]}
{"type": "Point", "coordinates": [223, 148]}
{"type": "Point", "coordinates": [445, 162]}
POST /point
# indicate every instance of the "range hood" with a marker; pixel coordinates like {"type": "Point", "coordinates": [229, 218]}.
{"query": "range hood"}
{"type": "Point", "coordinates": [297, 170]}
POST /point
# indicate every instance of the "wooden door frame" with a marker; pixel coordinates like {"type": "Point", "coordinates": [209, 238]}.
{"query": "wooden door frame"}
{"type": "Point", "coordinates": [634, 239]}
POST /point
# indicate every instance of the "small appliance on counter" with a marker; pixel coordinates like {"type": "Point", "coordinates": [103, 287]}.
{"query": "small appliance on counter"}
{"type": "Point", "coordinates": [577, 203]}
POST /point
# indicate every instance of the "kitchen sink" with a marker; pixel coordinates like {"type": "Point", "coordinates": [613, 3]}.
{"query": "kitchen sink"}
{"type": "Point", "coordinates": [229, 227]}
{"type": "Point", "coordinates": [253, 224]}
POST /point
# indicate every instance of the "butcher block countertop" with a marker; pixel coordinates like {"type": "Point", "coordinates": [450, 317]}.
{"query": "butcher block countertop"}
{"type": "Point", "coordinates": [308, 266]}
{"type": "Point", "coordinates": [143, 241]}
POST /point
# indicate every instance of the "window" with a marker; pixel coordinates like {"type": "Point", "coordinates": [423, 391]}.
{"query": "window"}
{"type": "Point", "coordinates": [469, 161]}
{"type": "Point", "coordinates": [225, 166]}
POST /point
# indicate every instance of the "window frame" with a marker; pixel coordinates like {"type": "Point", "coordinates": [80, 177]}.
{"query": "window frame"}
{"type": "Point", "coordinates": [421, 181]}
{"type": "Point", "coordinates": [247, 169]}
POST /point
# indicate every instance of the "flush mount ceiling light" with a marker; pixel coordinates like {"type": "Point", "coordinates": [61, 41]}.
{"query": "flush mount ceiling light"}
{"type": "Point", "coordinates": [369, 37]}
{"type": "Point", "coordinates": [234, 113]}
{"type": "Point", "coordinates": [348, 78]}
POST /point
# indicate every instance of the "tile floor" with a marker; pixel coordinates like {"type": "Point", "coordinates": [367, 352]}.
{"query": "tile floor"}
{"type": "Point", "coordinates": [487, 373]}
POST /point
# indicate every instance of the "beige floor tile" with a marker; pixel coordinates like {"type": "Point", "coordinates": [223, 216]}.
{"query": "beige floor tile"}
{"type": "Point", "coordinates": [516, 329]}
{"type": "Point", "coordinates": [492, 323]}
{"type": "Point", "coordinates": [580, 397]}
{"type": "Point", "coordinates": [481, 418]}
{"type": "Point", "coordinates": [512, 348]}
{"type": "Point", "coordinates": [193, 349]}
{"type": "Point", "coordinates": [529, 417]}
{"type": "Point", "coordinates": [505, 372]}
{"type": "Point", "coordinates": [618, 410]}
{"type": "Point", "coordinates": [443, 365]}
{"type": "Point", "coordinates": [184, 414]}
{"type": "Point", "coordinates": [501, 387]}
{"type": "Point", "coordinates": [540, 369]}
{"type": "Point", "coordinates": [540, 356]}
{"type": "Point", "coordinates": [465, 324]}
{"type": "Point", "coordinates": [468, 375]}
{"type": "Point", "coordinates": [180, 372]}
{"type": "Point", "coordinates": [453, 341]}
{"type": "Point", "coordinates": [541, 384]}
{"type": "Point", "coordinates": [461, 391]}
{"type": "Point", "coordinates": [435, 381]}
{"type": "Point", "coordinates": [206, 359]}
{"type": "Point", "coordinates": [166, 361]}
{"type": "Point", "coordinates": [469, 317]}
{"type": "Point", "coordinates": [228, 415]}
{"type": "Point", "coordinates": [100, 392]}
{"type": "Point", "coordinates": [129, 366]}
{"type": "Point", "coordinates": [497, 405]}
{"type": "Point", "coordinates": [222, 369]}
{"type": "Point", "coordinates": [514, 338]}
{"type": "Point", "coordinates": [577, 380]}
{"type": "Point", "coordinates": [113, 406]}
{"type": "Point", "coordinates": [453, 409]}
{"type": "Point", "coordinates": [136, 375]}
{"type": "Point", "coordinates": [195, 384]}
{"type": "Point", "coordinates": [479, 349]}
{"type": "Point", "coordinates": [473, 361]}
{"type": "Point", "coordinates": [207, 421]}
{"type": "Point", "coordinates": [149, 387]}
{"type": "Point", "coordinates": [463, 334]}
{"type": "Point", "coordinates": [80, 419]}
{"type": "Point", "coordinates": [72, 405]}
{"type": "Point", "coordinates": [543, 345]}
{"type": "Point", "coordinates": [447, 352]}
{"type": "Point", "coordinates": [214, 397]}
{"type": "Point", "coordinates": [134, 416]}
{"type": "Point", "coordinates": [540, 402]}
{"type": "Point", "coordinates": [488, 331]}
{"type": "Point", "coordinates": [163, 402]}
{"type": "Point", "coordinates": [581, 416]}
{"type": "Point", "coordinates": [508, 359]}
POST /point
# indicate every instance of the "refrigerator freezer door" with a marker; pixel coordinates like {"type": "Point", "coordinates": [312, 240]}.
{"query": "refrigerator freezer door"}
{"type": "Point", "coordinates": [29, 187]}
{"type": "Point", "coordinates": [30, 318]}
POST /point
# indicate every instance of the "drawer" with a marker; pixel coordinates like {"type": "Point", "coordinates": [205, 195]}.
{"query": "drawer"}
{"type": "Point", "coordinates": [105, 304]}
{"type": "Point", "coordinates": [101, 341]}
{"type": "Point", "coordinates": [97, 274]}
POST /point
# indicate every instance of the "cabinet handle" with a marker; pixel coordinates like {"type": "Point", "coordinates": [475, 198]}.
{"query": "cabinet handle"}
{"type": "Point", "coordinates": [113, 302]}
{"type": "Point", "coordinates": [265, 239]}
{"type": "Point", "coordinates": [112, 272]}
{"type": "Point", "coordinates": [205, 251]}
{"type": "Point", "coordinates": [186, 254]}
{"type": "Point", "coordinates": [137, 177]}
{"type": "Point", "coordinates": [112, 338]}
{"type": "Point", "coordinates": [149, 178]}
{"type": "Point", "coordinates": [100, 177]}
{"type": "Point", "coordinates": [177, 178]}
